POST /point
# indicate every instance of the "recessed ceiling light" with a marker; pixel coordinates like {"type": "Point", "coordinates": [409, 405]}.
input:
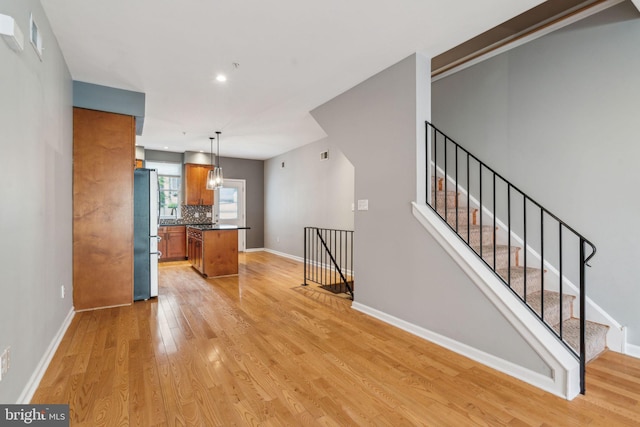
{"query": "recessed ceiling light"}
{"type": "Point", "coordinates": [221, 78]}
{"type": "Point", "coordinates": [166, 148]}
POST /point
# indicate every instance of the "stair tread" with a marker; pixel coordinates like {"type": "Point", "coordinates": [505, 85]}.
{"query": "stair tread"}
{"type": "Point", "coordinates": [551, 301]}
{"type": "Point", "coordinates": [595, 336]}
{"type": "Point", "coordinates": [518, 271]}
{"type": "Point", "coordinates": [449, 191]}
{"type": "Point", "coordinates": [488, 249]}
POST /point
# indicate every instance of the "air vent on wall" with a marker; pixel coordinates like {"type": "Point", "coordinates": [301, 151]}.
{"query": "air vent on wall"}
{"type": "Point", "coordinates": [36, 37]}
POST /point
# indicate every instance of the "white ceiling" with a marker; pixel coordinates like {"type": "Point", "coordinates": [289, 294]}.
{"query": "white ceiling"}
{"type": "Point", "coordinates": [293, 55]}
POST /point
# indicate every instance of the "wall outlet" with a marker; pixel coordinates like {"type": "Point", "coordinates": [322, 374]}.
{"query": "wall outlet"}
{"type": "Point", "coordinates": [63, 292]}
{"type": "Point", "coordinates": [208, 214]}
{"type": "Point", "coordinates": [363, 205]}
{"type": "Point", "coordinates": [197, 214]}
{"type": "Point", "coordinates": [5, 359]}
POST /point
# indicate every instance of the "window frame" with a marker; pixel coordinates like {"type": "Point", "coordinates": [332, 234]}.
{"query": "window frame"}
{"type": "Point", "coordinates": [178, 213]}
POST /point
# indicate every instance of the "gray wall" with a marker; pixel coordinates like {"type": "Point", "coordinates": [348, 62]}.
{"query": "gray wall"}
{"type": "Point", "coordinates": [253, 172]}
{"type": "Point", "coordinates": [559, 117]}
{"type": "Point", "coordinates": [400, 269]}
{"type": "Point", "coordinates": [307, 191]}
{"type": "Point", "coordinates": [36, 217]}
{"type": "Point", "coordinates": [250, 170]}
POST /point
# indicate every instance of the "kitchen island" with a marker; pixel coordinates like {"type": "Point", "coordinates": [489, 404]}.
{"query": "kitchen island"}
{"type": "Point", "coordinates": [213, 249]}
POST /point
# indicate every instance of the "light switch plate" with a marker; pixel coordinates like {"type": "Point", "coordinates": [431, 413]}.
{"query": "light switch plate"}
{"type": "Point", "coordinates": [363, 205]}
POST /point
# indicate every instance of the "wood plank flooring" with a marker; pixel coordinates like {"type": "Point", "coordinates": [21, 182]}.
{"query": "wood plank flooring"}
{"type": "Point", "coordinates": [259, 349]}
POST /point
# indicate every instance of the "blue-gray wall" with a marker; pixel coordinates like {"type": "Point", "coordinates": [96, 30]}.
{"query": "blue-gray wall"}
{"type": "Point", "coordinates": [559, 117]}
{"type": "Point", "coordinates": [36, 137]}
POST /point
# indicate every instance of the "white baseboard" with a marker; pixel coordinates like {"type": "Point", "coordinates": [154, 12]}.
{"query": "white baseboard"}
{"type": "Point", "coordinates": [537, 379]}
{"type": "Point", "coordinates": [285, 255]}
{"type": "Point", "coordinates": [36, 377]}
{"type": "Point", "coordinates": [254, 250]}
{"type": "Point", "coordinates": [632, 350]}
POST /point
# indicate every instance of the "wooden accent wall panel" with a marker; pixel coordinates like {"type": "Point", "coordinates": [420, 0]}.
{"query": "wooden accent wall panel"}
{"type": "Point", "coordinates": [103, 152]}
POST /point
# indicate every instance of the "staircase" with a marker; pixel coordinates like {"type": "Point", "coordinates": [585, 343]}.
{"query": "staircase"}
{"type": "Point", "coordinates": [507, 263]}
{"type": "Point", "coordinates": [469, 196]}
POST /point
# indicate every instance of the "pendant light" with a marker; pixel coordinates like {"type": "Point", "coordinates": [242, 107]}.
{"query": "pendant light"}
{"type": "Point", "coordinates": [214, 177]}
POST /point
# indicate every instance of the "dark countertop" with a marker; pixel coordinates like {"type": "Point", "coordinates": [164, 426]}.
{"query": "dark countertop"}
{"type": "Point", "coordinates": [170, 222]}
{"type": "Point", "coordinates": [207, 227]}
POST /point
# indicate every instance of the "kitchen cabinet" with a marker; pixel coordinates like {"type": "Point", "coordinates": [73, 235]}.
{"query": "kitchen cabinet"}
{"type": "Point", "coordinates": [173, 242]}
{"type": "Point", "coordinates": [196, 192]}
{"type": "Point", "coordinates": [103, 152]}
{"type": "Point", "coordinates": [194, 249]}
{"type": "Point", "coordinates": [213, 252]}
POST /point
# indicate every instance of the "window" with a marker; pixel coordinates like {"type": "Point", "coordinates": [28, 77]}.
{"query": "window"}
{"type": "Point", "coordinates": [169, 183]}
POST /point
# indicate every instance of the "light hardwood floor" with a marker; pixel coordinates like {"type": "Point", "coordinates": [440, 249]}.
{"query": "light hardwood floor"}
{"type": "Point", "coordinates": [259, 349]}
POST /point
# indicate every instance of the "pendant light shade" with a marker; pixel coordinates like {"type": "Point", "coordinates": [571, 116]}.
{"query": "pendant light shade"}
{"type": "Point", "coordinates": [214, 177]}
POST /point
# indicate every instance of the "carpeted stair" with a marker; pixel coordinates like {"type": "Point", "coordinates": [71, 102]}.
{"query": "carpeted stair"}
{"type": "Point", "coordinates": [451, 206]}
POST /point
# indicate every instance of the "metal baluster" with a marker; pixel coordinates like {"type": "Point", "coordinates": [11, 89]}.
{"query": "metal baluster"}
{"type": "Point", "coordinates": [494, 223]}
{"type": "Point", "coordinates": [305, 257]}
{"type": "Point", "coordinates": [524, 269]}
{"type": "Point", "coordinates": [480, 209]}
{"type": "Point", "coordinates": [541, 260]}
{"type": "Point", "coordinates": [456, 199]}
{"type": "Point", "coordinates": [468, 204]}
{"type": "Point", "coordinates": [560, 278]}
{"type": "Point", "coordinates": [435, 171]}
{"type": "Point", "coordinates": [446, 179]}
{"type": "Point", "coordinates": [583, 320]}
{"type": "Point", "coordinates": [509, 233]}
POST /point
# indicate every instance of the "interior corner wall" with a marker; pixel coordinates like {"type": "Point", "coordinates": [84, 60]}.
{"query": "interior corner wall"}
{"type": "Point", "coordinates": [301, 190]}
{"type": "Point", "coordinates": [36, 137]}
{"type": "Point", "coordinates": [558, 117]}
{"type": "Point", "coordinates": [400, 269]}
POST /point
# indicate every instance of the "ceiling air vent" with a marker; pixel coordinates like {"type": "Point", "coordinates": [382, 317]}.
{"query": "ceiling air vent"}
{"type": "Point", "coordinates": [324, 155]}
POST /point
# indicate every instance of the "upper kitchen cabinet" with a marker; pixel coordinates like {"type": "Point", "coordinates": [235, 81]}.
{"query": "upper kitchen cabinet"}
{"type": "Point", "coordinates": [195, 183]}
{"type": "Point", "coordinates": [103, 152]}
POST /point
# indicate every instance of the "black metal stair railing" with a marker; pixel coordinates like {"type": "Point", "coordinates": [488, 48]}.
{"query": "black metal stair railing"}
{"type": "Point", "coordinates": [328, 259]}
{"type": "Point", "coordinates": [558, 246]}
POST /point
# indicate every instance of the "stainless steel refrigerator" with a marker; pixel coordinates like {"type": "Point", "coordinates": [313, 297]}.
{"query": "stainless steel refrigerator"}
{"type": "Point", "coordinates": [145, 232]}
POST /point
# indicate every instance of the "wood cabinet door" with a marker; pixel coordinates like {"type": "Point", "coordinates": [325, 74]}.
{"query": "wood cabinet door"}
{"type": "Point", "coordinates": [195, 185]}
{"type": "Point", "coordinates": [176, 242]}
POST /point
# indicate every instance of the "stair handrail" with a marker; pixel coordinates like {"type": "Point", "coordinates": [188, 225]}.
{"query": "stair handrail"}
{"type": "Point", "coordinates": [432, 130]}
{"type": "Point", "coordinates": [320, 237]}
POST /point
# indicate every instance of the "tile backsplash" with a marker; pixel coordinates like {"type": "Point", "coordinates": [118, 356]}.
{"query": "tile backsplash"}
{"type": "Point", "coordinates": [189, 215]}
